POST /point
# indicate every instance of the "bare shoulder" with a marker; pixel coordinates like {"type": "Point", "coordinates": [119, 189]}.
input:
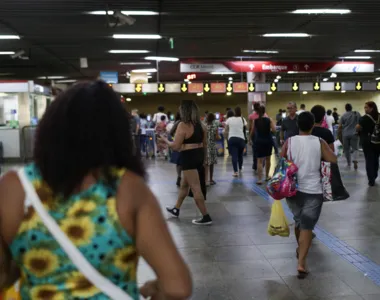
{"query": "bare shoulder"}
{"type": "Point", "coordinates": [10, 183]}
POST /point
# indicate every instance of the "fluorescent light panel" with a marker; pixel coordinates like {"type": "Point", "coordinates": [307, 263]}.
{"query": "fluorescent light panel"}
{"type": "Point", "coordinates": [9, 37]}
{"type": "Point", "coordinates": [322, 11]}
{"type": "Point", "coordinates": [51, 77]}
{"type": "Point", "coordinates": [137, 36]}
{"type": "Point", "coordinates": [261, 51]}
{"type": "Point", "coordinates": [125, 12]}
{"type": "Point", "coordinates": [144, 71]}
{"type": "Point", "coordinates": [7, 52]}
{"type": "Point", "coordinates": [295, 35]}
{"type": "Point", "coordinates": [222, 73]}
{"type": "Point", "coordinates": [162, 58]}
{"type": "Point", "coordinates": [135, 63]}
{"type": "Point", "coordinates": [366, 51]}
{"type": "Point", "coordinates": [355, 57]}
{"type": "Point", "coordinates": [127, 51]}
{"type": "Point", "coordinates": [66, 81]}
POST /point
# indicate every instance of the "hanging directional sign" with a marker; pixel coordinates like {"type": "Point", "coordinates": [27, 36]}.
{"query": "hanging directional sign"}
{"type": "Point", "coordinates": [251, 87]}
{"type": "Point", "coordinates": [359, 86]}
{"type": "Point", "coordinates": [273, 87]}
{"type": "Point", "coordinates": [229, 87]}
{"type": "Point", "coordinates": [378, 86]}
{"type": "Point", "coordinates": [138, 88]}
{"type": "Point", "coordinates": [184, 88]}
{"type": "Point", "coordinates": [295, 87]}
{"type": "Point", "coordinates": [338, 86]}
{"type": "Point", "coordinates": [317, 87]}
{"type": "Point", "coordinates": [206, 87]}
{"type": "Point", "coordinates": [161, 88]}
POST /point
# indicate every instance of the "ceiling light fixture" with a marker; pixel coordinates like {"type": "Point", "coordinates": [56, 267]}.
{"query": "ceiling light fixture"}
{"type": "Point", "coordinates": [137, 36]}
{"type": "Point", "coordinates": [378, 78]}
{"type": "Point", "coordinates": [366, 51]}
{"type": "Point", "coordinates": [230, 78]}
{"type": "Point", "coordinates": [222, 73]}
{"type": "Point", "coordinates": [162, 58]}
{"type": "Point", "coordinates": [343, 91]}
{"type": "Point", "coordinates": [129, 99]}
{"type": "Point", "coordinates": [7, 52]}
{"type": "Point", "coordinates": [304, 92]}
{"type": "Point", "coordinates": [322, 11]}
{"type": "Point", "coordinates": [333, 75]}
{"type": "Point", "coordinates": [355, 57]}
{"type": "Point", "coordinates": [66, 81]}
{"type": "Point", "coordinates": [144, 71]}
{"type": "Point", "coordinates": [325, 79]}
{"type": "Point", "coordinates": [261, 51]}
{"type": "Point", "coordinates": [127, 51]}
{"type": "Point", "coordinates": [135, 63]}
{"type": "Point", "coordinates": [276, 80]}
{"type": "Point", "coordinates": [229, 94]}
{"type": "Point", "coordinates": [51, 77]}
{"type": "Point", "coordinates": [278, 77]}
{"type": "Point", "coordinates": [125, 12]}
{"type": "Point", "coordinates": [9, 37]}
{"type": "Point", "coordinates": [269, 93]}
{"type": "Point", "coordinates": [285, 35]}
{"type": "Point", "coordinates": [199, 94]}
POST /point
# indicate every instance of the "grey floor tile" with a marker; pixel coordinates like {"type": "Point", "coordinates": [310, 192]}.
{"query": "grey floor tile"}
{"type": "Point", "coordinates": [361, 284]}
{"type": "Point", "coordinates": [371, 297]}
{"type": "Point", "coordinates": [247, 270]}
{"type": "Point", "coordinates": [198, 255]}
{"type": "Point", "coordinates": [239, 253]}
{"type": "Point", "coordinates": [228, 239]}
{"type": "Point", "coordinates": [320, 286]}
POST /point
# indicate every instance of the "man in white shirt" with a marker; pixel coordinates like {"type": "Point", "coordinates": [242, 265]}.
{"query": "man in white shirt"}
{"type": "Point", "coordinates": [302, 109]}
{"type": "Point", "coordinates": [157, 116]}
{"type": "Point", "coordinates": [330, 120]}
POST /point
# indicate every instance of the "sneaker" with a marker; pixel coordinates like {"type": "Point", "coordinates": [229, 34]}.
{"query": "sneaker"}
{"type": "Point", "coordinates": [355, 165]}
{"type": "Point", "coordinates": [205, 220]}
{"type": "Point", "coordinates": [173, 211]}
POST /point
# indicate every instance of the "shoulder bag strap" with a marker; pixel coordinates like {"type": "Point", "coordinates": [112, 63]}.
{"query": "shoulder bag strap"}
{"type": "Point", "coordinates": [290, 148]}
{"type": "Point", "coordinates": [93, 276]}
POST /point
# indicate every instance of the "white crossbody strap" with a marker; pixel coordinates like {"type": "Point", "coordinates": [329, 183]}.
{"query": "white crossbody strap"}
{"type": "Point", "coordinates": [93, 276]}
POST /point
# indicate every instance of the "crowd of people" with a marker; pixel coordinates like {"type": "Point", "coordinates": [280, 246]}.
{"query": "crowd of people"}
{"type": "Point", "coordinates": [90, 179]}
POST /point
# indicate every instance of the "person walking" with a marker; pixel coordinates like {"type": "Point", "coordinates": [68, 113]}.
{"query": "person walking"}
{"type": "Point", "coordinates": [289, 125]}
{"type": "Point", "coordinates": [236, 131]}
{"type": "Point", "coordinates": [368, 136]}
{"type": "Point", "coordinates": [347, 129]}
{"type": "Point", "coordinates": [157, 118]}
{"type": "Point", "coordinates": [191, 141]}
{"type": "Point", "coordinates": [212, 152]}
{"type": "Point", "coordinates": [261, 133]}
{"type": "Point", "coordinates": [302, 109]}
{"type": "Point", "coordinates": [136, 129]}
{"type": "Point", "coordinates": [97, 194]}
{"type": "Point", "coordinates": [330, 121]}
{"type": "Point", "coordinates": [325, 134]}
{"type": "Point", "coordinates": [251, 119]}
{"type": "Point", "coordinates": [306, 151]}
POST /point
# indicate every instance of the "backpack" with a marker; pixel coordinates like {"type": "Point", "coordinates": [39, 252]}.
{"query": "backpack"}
{"type": "Point", "coordinates": [375, 136]}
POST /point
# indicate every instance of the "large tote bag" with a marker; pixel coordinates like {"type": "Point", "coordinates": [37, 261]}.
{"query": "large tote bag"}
{"type": "Point", "coordinates": [332, 184]}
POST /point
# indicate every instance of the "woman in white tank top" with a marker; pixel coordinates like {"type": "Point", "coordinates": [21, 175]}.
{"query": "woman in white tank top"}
{"type": "Point", "coordinates": [306, 151]}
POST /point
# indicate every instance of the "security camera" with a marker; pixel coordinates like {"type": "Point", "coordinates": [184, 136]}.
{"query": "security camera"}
{"type": "Point", "coordinates": [18, 54]}
{"type": "Point", "coordinates": [123, 19]}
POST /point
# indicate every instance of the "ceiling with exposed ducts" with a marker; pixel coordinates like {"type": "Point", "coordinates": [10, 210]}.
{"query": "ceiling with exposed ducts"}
{"type": "Point", "coordinates": [55, 34]}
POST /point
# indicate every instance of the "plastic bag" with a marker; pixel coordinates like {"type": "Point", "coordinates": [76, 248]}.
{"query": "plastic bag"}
{"type": "Point", "coordinates": [338, 148]}
{"type": "Point", "coordinates": [332, 184]}
{"type": "Point", "coordinates": [278, 224]}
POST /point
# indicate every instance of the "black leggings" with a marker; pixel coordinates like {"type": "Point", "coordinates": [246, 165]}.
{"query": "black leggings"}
{"type": "Point", "coordinates": [371, 154]}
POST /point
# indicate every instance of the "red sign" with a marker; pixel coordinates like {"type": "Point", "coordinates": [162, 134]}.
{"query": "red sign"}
{"type": "Point", "coordinates": [283, 67]}
{"type": "Point", "coordinates": [218, 88]}
{"type": "Point", "coordinates": [240, 87]}
{"type": "Point", "coordinates": [195, 88]}
{"type": "Point", "coordinates": [191, 76]}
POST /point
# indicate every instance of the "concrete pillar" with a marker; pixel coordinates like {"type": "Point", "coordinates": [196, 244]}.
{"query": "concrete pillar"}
{"type": "Point", "coordinates": [255, 97]}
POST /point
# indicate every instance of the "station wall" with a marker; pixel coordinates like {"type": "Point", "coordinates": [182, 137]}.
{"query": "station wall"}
{"type": "Point", "coordinates": [218, 103]}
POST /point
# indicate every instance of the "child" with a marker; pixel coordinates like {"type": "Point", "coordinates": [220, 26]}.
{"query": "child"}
{"type": "Point", "coordinates": [160, 130]}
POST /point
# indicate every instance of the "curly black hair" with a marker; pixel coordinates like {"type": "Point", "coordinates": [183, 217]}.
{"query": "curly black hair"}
{"type": "Point", "coordinates": [85, 130]}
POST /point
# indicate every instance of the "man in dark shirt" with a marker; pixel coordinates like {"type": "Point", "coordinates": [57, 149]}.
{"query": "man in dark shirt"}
{"type": "Point", "coordinates": [325, 134]}
{"type": "Point", "coordinates": [336, 116]}
{"type": "Point", "coordinates": [289, 126]}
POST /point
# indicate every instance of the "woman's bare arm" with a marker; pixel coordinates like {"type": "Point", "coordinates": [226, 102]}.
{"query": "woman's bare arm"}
{"type": "Point", "coordinates": [153, 240]}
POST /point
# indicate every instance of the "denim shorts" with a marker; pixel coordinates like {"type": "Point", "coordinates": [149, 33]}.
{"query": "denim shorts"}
{"type": "Point", "coordinates": [306, 209]}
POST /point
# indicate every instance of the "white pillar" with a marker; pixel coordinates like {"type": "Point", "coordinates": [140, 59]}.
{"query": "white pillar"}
{"type": "Point", "coordinates": [255, 97]}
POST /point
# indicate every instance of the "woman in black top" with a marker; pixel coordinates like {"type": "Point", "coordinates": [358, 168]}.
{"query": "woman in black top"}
{"type": "Point", "coordinates": [261, 131]}
{"type": "Point", "coordinates": [191, 141]}
{"type": "Point", "coordinates": [371, 151]}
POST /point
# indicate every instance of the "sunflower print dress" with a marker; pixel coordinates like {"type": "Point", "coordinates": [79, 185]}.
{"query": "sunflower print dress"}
{"type": "Point", "coordinates": [91, 222]}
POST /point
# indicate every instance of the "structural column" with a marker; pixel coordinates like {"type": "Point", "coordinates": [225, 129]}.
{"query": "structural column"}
{"type": "Point", "coordinates": [255, 97]}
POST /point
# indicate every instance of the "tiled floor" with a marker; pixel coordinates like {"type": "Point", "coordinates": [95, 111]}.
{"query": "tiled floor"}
{"type": "Point", "coordinates": [236, 259]}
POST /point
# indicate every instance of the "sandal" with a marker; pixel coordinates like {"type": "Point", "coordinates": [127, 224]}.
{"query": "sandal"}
{"type": "Point", "coordinates": [259, 182]}
{"type": "Point", "coordinates": [302, 274]}
{"type": "Point", "coordinates": [235, 175]}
